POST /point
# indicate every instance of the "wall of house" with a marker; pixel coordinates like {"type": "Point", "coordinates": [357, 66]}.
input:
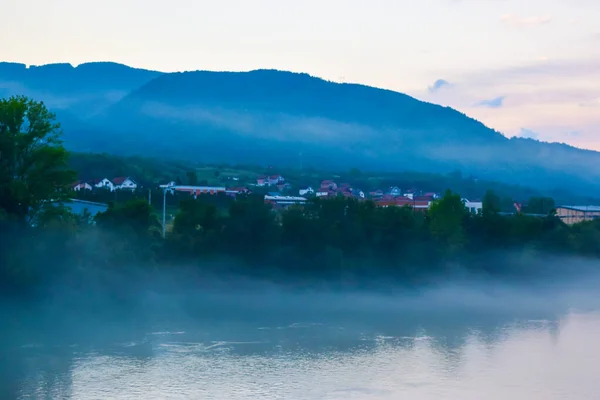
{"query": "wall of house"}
{"type": "Point", "coordinates": [570, 216]}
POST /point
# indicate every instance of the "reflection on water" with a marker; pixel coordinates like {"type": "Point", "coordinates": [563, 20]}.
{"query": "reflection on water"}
{"type": "Point", "coordinates": [519, 359]}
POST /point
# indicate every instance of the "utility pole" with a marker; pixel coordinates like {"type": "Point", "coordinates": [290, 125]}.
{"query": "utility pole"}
{"type": "Point", "coordinates": [150, 197]}
{"type": "Point", "coordinates": [164, 221]}
{"type": "Point", "coordinates": [164, 216]}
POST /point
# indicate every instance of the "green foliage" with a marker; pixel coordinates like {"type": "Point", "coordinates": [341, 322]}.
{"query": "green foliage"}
{"type": "Point", "coordinates": [540, 205]}
{"type": "Point", "coordinates": [33, 162]}
{"type": "Point", "coordinates": [446, 218]}
{"type": "Point", "coordinates": [135, 216]}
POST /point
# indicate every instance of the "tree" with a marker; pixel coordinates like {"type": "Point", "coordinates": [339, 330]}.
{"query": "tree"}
{"type": "Point", "coordinates": [33, 162]}
{"type": "Point", "coordinates": [540, 205]}
{"type": "Point", "coordinates": [192, 178]}
{"type": "Point", "coordinates": [134, 216]}
{"type": "Point", "coordinates": [446, 217]}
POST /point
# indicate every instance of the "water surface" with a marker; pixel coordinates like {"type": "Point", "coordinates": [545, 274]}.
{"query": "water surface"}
{"type": "Point", "coordinates": [417, 357]}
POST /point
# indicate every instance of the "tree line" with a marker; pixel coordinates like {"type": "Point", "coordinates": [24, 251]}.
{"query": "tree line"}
{"type": "Point", "coordinates": [338, 239]}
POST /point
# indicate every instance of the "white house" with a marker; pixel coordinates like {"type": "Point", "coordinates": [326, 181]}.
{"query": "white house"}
{"type": "Point", "coordinates": [104, 184]}
{"type": "Point", "coordinates": [123, 182]}
{"type": "Point", "coordinates": [80, 185]}
{"type": "Point", "coordinates": [473, 206]}
{"type": "Point", "coordinates": [309, 190]}
{"type": "Point", "coordinates": [323, 192]}
{"type": "Point", "coordinates": [358, 193]}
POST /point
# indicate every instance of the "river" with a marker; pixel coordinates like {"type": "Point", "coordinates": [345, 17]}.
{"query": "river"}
{"type": "Point", "coordinates": [420, 355]}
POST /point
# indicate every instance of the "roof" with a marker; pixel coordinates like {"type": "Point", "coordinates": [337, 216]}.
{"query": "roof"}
{"type": "Point", "coordinates": [582, 208]}
{"type": "Point", "coordinates": [238, 189]}
{"type": "Point", "coordinates": [119, 180]}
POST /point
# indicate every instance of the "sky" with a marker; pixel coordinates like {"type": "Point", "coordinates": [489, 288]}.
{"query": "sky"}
{"type": "Point", "coordinates": [526, 68]}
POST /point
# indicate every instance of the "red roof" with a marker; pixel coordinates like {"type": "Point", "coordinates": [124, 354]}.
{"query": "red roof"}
{"type": "Point", "coordinates": [119, 180]}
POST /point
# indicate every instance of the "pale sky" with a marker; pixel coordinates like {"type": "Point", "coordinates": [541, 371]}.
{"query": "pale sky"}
{"type": "Point", "coordinates": [523, 67]}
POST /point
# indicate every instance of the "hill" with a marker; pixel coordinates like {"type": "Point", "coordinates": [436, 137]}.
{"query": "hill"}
{"type": "Point", "coordinates": [271, 117]}
{"type": "Point", "coordinates": [82, 90]}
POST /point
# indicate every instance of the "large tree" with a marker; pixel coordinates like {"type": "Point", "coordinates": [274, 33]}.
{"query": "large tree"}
{"type": "Point", "coordinates": [33, 161]}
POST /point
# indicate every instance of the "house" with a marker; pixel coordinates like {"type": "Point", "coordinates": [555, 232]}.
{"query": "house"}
{"type": "Point", "coordinates": [271, 180]}
{"type": "Point", "coordinates": [261, 180]}
{"type": "Point", "coordinates": [376, 194]}
{"type": "Point", "coordinates": [323, 192]}
{"type": "Point", "coordinates": [283, 186]}
{"type": "Point", "coordinates": [358, 193]}
{"type": "Point", "coordinates": [474, 207]}
{"type": "Point", "coordinates": [104, 184]}
{"type": "Point", "coordinates": [308, 191]}
{"type": "Point", "coordinates": [574, 214]}
{"type": "Point", "coordinates": [395, 191]}
{"type": "Point", "coordinates": [344, 187]}
{"type": "Point", "coordinates": [327, 184]}
{"type": "Point", "coordinates": [275, 180]}
{"type": "Point", "coordinates": [168, 185]}
{"type": "Point", "coordinates": [124, 182]}
{"type": "Point", "coordinates": [81, 185]}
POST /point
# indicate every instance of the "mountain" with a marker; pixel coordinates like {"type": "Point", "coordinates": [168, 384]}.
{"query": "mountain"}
{"type": "Point", "coordinates": [270, 117]}
{"type": "Point", "coordinates": [82, 90]}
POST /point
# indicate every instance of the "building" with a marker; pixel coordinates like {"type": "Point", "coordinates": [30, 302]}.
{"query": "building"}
{"type": "Point", "coordinates": [275, 180]}
{"type": "Point", "coordinates": [327, 184]}
{"type": "Point", "coordinates": [417, 205]}
{"type": "Point", "coordinates": [198, 190]}
{"type": "Point", "coordinates": [81, 185]}
{"type": "Point", "coordinates": [395, 191]}
{"type": "Point", "coordinates": [81, 207]}
{"type": "Point", "coordinates": [104, 184]}
{"type": "Point", "coordinates": [359, 194]}
{"type": "Point", "coordinates": [269, 180]}
{"type": "Point", "coordinates": [124, 183]}
{"type": "Point", "coordinates": [474, 207]}
{"type": "Point", "coordinates": [285, 200]}
{"type": "Point", "coordinates": [261, 181]}
{"type": "Point", "coordinates": [376, 194]}
{"type": "Point", "coordinates": [574, 214]}
{"type": "Point", "coordinates": [234, 191]}
{"type": "Point", "coordinates": [305, 192]}
{"type": "Point", "coordinates": [324, 192]}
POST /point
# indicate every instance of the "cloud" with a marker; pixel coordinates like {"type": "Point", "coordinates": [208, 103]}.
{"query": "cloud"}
{"type": "Point", "coordinates": [525, 22]}
{"type": "Point", "coordinates": [492, 103]}
{"type": "Point", "coordinates": [529, 134]}
{"type": "Point", "coordinates": [591, 103]}
{"type": "Point", "coordinates": [439, 84]}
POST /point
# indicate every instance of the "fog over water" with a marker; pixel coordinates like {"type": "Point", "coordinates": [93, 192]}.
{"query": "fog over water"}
{"type": "Point", "coordinates": [467, 340]}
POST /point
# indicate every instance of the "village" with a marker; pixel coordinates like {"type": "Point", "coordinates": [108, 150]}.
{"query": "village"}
{"type": "Point", "coordinates": [280, 194]}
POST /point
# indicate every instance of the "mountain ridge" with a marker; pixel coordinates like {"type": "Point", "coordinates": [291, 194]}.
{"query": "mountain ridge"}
{"type": "Point", "coordinates": [270, 116]}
